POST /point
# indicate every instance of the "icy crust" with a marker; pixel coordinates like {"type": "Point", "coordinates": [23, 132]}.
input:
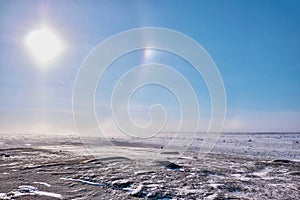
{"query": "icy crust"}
{"type": "Point", "coordinates": [28, 190]}
{"type": "Point", "coordinates": [57, 174]}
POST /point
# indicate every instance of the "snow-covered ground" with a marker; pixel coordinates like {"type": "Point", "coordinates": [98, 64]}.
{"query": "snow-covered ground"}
{"type": "Point", "coordinates": [243, 166]}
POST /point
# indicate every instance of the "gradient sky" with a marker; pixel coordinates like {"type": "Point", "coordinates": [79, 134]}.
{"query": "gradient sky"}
{"type": "Point", "coordinates": [255, 44]}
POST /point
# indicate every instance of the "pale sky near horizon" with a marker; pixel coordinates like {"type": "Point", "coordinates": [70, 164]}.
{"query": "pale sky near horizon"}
{"type": "Point", "coordinates": [255, 45]}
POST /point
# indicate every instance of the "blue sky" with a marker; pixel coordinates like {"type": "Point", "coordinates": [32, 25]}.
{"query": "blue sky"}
{"type": "Point", "coordinates": [255, 44]}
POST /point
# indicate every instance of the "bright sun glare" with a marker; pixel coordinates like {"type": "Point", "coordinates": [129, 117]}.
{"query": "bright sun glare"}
{"type": "Point", "coordinates": [44, 44]}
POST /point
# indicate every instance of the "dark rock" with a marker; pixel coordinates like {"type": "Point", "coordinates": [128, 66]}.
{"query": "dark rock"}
{"type": "Point", "coordinates": [173, 166]}
{"type": "Point", "coordinates": [295, 173]}
{"type": "Point", "coordinates": [5, 155]}
{"type": "Point", "coordinates": [282, 161]}
{"type": "Point", "coordinates": [169, 165]}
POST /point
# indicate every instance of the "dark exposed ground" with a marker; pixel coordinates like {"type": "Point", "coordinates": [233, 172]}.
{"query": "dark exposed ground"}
{"type": "Point", "coordinates": [67, 172]}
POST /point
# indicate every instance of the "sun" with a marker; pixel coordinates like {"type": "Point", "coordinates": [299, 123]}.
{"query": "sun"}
{"type": "Point", "coordinates": [44, 44]}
